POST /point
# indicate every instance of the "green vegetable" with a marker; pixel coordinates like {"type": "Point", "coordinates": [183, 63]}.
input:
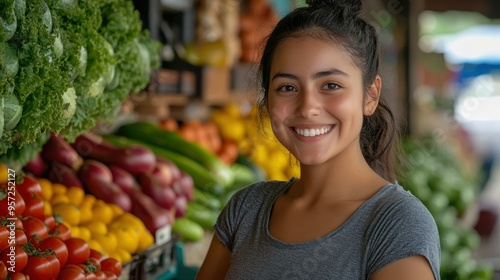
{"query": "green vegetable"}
{"type": "Point", "coordinates": [207, 199]}
{"type": "Point", "coordinates": [152, 134]}
{"type": "Point", "coordinates": [1, 116]}
{"type": "Point", "coordinates": [8, 20]}
{"type": "Point", "coordinates": [12, 111]}
{"type": "Point", "coordinates": [8, 58]}
{"type": "Point", "coordinates": [201, 215]}
{"type": "Point", "coordinates": [20, 9]}
{"type": "Point", "coordinates": [187, 229]}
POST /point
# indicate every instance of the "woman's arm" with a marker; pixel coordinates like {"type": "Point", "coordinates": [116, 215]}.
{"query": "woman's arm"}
{"type": "Point", "coordinates": [216, 262]}
{"type": "Point", "coordinates": [411, 268]}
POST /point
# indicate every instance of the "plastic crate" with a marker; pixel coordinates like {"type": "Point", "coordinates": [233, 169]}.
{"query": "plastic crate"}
{"type": "Point", "coordinates": [180, 271]}
{"type": "Point", "coordinates": [132, 270]}
{"type": "Point", "coordinates": [158, 260]}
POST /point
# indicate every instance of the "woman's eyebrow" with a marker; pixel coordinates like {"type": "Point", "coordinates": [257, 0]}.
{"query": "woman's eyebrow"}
{"type": "Point", "coordinates": [320, 74]}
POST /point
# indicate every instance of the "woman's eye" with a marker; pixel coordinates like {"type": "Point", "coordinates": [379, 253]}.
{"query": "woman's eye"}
{"type": "Point", "coordinates": [286, 88]}
{"type": "Point", "coordinates": [331, 86]}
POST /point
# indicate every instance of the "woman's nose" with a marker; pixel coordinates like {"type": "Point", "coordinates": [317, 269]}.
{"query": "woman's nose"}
{"type": "Point", "coordinates": [309, 105]}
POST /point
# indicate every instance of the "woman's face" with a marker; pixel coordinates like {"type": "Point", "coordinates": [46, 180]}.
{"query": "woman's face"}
{"type": "Point", "coordinates": [315, 100]}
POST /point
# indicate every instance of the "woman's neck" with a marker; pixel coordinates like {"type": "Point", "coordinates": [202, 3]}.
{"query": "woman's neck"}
{"type": "Point", "coordinates": [345, 177]}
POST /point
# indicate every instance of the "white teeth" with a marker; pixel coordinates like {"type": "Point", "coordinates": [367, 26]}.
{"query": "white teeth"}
{"type": "Point", "coordinates": [312, 132]}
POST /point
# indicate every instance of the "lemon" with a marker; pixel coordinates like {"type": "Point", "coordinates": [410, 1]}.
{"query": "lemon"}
{"type": "Point", "coordinates": [145, 241]}
{"type": "Point", "coordinates": [108, 242]}
{"type": "Point", "coordinates": [46, 185]}
{"type": "Point", "coordinates": [86, 214]}
{"type": "Point", "coordinates": [96, 227]}
{"type": "Point", "coordinates": [95, 245]}
{"type": "Point", "coordinates": [85, 233]}
{"type": "Point", "coordinates": [117, 210]}
{"type": "Point", "coordinates": [59, 198]}
{"type": "Point", "coordinates": [124, 255]}
{"type": "Point", "coordinates": [47, 209]}
{"type": "Point", "coordinates": [75, 195]}
{"type": "Point", "coordinates": [58, 188]}
{"type": "Point", "coordinates": [68, 212]}
{"type": "Point", "coordinates": [129, 239]}
{"type": "Point", "coordinates": [102, 212]}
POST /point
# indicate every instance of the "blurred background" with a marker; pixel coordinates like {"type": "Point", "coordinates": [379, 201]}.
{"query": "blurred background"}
{"type": "Point", "coordinates": [441, 69]}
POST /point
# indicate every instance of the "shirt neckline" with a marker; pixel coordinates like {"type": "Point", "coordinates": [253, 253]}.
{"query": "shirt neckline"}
{"type": "Point", "coordinates": [267, 217]}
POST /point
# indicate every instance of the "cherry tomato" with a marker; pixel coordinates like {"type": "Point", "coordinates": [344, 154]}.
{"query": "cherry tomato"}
{"type": "Point", "coordinates": [15, 261]}
{"type": "Point", "coordinates": [97, 255]}
{"type": "Point", "coordinates": [110, 275]}
{"type": "Point", "coordinates": [34, 206]}
{"type": "Point", "coordinates": [56, 245]}
{"type": "Point", "coordinates": [3, 270]}
{"type": "Point", "coordinates": [93, 264]}
{"type": "Point", "coordinates": [42, 268]}
{"type": "Point", "coordinates": [17, 205]}
{"type": "Point", "coordinates": [90, 276]}
{"type": "Point", "coordinates": [34, 226]}
{"type": "Point", "coordinates": [61, 231]}
{"type": "Point", "coordinates": [78, 250]}
{"type": "Point", "coordinates": [71, 274]}
{"type": "Point", "coordinates": [18, 276]}
{"type": "Point", "coordinates": [50, 221]}
{"type": "Point", "coordinates": [112, 265]}
{"type": "Point", "coordinates": [21, 237]}
{"type": "Point", "coordinates": [100, 275]}
{"type": "Point", "coordinates": [29, 186]}
{"type": "Point", "coordinates": [4, 237]}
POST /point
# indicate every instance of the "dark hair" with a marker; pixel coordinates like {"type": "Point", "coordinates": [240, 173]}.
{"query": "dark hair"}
{"type": "Point", "coordinates": [342, 23]}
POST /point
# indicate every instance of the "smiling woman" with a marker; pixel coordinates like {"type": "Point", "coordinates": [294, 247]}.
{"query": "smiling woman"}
{"type": "Point", "coordinates": [346, 217]}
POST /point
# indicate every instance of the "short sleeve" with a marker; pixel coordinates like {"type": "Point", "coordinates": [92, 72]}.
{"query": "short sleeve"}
{"type": "Point", "coordinates": [229, 219]}
{"type": "Point", "coordinates": [404, 229]}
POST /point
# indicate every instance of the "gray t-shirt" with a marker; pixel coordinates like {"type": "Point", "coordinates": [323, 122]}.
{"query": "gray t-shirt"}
{"type": "Point", "coordinates": [391, 225]}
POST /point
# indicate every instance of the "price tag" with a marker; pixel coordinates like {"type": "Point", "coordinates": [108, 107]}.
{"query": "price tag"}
{"type": "Point", "coordinates": [163, 235]}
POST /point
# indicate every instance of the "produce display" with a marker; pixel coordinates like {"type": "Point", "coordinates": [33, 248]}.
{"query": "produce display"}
{"type": "Point", "coordinates": [43, 247]}
{"type": "Point", "coordinates": [433, 174]}
{"type": "Point", "coordinates": [66, 65]}
{"type": "Point", "coordinates": [255, 140]}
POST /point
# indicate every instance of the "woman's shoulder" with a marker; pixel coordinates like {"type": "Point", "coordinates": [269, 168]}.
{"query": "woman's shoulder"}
{"type": "Point", "coordinates": [260, 192]}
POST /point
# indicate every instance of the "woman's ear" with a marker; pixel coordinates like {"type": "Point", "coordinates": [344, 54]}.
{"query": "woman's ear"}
{"type": "Point", "coordinates": [373, 96]}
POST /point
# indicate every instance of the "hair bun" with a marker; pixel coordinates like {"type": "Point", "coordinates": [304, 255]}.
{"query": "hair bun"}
{"type": "Point", "coordinates": [350, 6]}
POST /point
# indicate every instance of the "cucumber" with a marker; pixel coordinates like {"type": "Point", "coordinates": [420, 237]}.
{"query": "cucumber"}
{"type": "Point", "coordinates": [207, 199]}
{"type": "Point", "coordinates": [187, 229]}
{"type": "Point", "coordinates": [202, 178]}
{"type": "Point", "coordinates": [201, 215]}
{"type": "Point", "coordinates": [259, 174]}
{"type": "Point", "coordinates": [152, 134]}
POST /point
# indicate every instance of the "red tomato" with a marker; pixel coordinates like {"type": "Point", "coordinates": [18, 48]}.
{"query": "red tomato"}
{"type": "Point", "coordinates": [97, 255]}
{"type": "Point", "coordinates": [3, 270]}
{"type": "Point", "coordinates": [17, 222]}
{"type": "Point", "coordinates": [110, 275]}
{"type": "Point", "coordinates": [14, 261]}
{"type": "Point", "coordinates": [71, 274]}
{"type": "Point", "coordinates": [18, 276]}
{"type": "Point", "coordinates": [100, 275]}
{"type": "Point", "coordinates": [34, 226]}
{"type": "Point", "coordinates": [4, 237]}
{"type": "Point", "coordinates": [34, 206]}
{"type": "Point", "coordinates": [50, 221]}
{"type": "Point", "coordinates": [61, 231]}
{"type": "Point", "coordinates": [21, 237]}
{"type": "Point", "coordinates": [75, 266]}
{"type": "Point", "coordinates": [93, 264]}
{"type": "Point", "coordinates": [90, 276]}
{"type": "Point", "coordinates": [17, 205]}
{"type": "Point", "coordinates": [42, 268]}
{"type": "Point", "coordinates": [57, 245]}
{"type": "Point", "coordinates": [29, 186]}
{"type": "Point", "coordinates": [112, 265]}
{"type": "Point", "coordinates": [78, 250]}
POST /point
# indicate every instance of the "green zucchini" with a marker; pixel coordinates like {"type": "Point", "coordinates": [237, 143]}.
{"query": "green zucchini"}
{"type": "Point", "coordinates": [202, 178]}
{"type": "Point", "coordinates": [152, 134]}
{"type": "Point", "coordinates": [207, 199]}
{"type": "Point", "coordinates": [187, 229]}
{"type": "Point", "coordinates": [202, 215]}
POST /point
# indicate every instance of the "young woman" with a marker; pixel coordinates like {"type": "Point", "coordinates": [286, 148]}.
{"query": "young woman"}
{"type": "Point", "coordinates": [346, 217]}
